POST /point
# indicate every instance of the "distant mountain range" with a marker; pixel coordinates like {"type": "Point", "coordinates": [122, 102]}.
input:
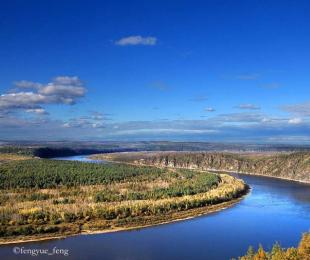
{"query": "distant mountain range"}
{"type": "Point", "coordinates": [67, 148]}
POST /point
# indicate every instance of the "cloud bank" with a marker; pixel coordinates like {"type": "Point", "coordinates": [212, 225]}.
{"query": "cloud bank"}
{"type": "Point", "coordinates": [61, 90]}
{"type": "Point", "coordinates": [301, 109]}
{"type": "Point", "coordinates": [247, 124]}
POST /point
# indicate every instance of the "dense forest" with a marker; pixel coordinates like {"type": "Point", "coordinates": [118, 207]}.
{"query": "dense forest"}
{"type": "Point", "coordinates": [51, 152]}
{"type": "Point", "coordinates": [302, 252]}
{"type": "Point", "coordinates": [52, 174]}
{"type": "Point", "coordinates": [40, 197]}
{"type": "Point", "coordinates": [44, 173]}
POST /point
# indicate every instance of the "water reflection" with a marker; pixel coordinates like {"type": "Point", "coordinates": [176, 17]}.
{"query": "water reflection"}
{"type": "Point", "coordinates": [80, 158]}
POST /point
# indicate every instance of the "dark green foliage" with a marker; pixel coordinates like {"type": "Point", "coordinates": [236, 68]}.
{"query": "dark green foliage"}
{"type": "Point", "coordinates": [38, 196]}
{"type": "Point", "coordinates": [19, 150]}
{"type": "Point", "coordinates": [35, 196]}
{"type": "Point", "coordinates": [50, 174]}
{"type": "Point", "coordinates": [63, 201]}
{"type": "Point", "coordinates": [107, 196]}
{"type": "Point", "coordinates": [26, 230]}
{"type": "Point", "coordinates": [69, 217]}
{"type": "Point", "coordinates": [188, 183]}
{"type": "Point", "coordinates": [189, 186]}
{"type": "Point", "coordinates": [52, 151]}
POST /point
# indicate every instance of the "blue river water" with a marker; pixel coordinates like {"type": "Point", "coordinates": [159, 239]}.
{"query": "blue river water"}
{"type": "Point", "coordinates": [80, 158]}
{"type": "Point", "coordinates": [274, 210]}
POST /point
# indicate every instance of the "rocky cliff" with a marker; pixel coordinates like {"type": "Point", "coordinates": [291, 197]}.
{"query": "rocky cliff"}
{"type": "Point", "coordinates": [293, 166]}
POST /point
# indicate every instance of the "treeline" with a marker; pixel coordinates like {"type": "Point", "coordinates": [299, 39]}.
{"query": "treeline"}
{"type": "Point", "coordinates": [302, 252]}
{"type": "Point", "coordinates": [19, 150]}
{"type": "Point", "coordinates": [57, 149]}
{"type": "Point", "coordinates": [43, 173]}
{"type": "Point", "coordinates": [193, 184]}
{"type": "Point", "coordinates": [51, 152]}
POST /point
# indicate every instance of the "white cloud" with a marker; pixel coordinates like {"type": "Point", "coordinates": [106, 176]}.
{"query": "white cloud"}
{"type": "Point", "coordinates": [27, 84]}
{"type": "Point", "coordinates": [266, 120]}
{"type": "Point", "coordinates": [238, 118]}
{"type": "Point", "coordinates": [62, 90]}
{"type": "Point", "coordinates": [65, 89]}
{"type": "Point", "coordinates": [22, 100]}
{"type": "Point", "coordinates": [295, 121]}
{"type": "Point", "coordinates": [97, 116]}
{"type": "Point", "coordinates": [209, 109]}
{"type": "Point", "coordinates": [136, 40]}
{"type": "Point", "coordinates": [237, 127]}
{"type": "Point", "coordinates": [39, 111]}
{"type": "Point", "coordinates": [94, 120]}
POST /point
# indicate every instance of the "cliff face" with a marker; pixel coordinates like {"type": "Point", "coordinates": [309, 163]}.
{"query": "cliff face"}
{"type": "Point", "coordinates": [294, 166]}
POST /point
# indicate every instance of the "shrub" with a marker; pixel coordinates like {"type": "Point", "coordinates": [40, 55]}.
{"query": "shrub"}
{"type": "Point", "coordinates": [38, 196]}
{"type": "Point", "coordinates": [279, 253]}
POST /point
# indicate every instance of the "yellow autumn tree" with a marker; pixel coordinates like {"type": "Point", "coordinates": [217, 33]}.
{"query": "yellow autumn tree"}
{"type": "Point", "coordinates": [261, 254]}
{"type": "Point", "coordinates": [277, 252]}
{"type": "Point", "coordinates": [291, 254]}
{"type": "Point", "coordinates": [304, 246]}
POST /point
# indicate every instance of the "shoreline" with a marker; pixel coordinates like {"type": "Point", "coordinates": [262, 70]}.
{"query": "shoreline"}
{"type": "Point", "coordinates": [261, 175]}
{"type": "Point", "coordinates": [203, 211]}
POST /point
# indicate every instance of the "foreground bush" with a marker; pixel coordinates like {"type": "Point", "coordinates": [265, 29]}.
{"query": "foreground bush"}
{"type": "Point", "coordinates": [302, 252]}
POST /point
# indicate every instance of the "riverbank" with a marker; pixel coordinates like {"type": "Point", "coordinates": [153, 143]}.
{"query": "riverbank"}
{"type": "Point", "coordinates": [260, 175]}
{"type": "Point", "coordinates": [180, 216]}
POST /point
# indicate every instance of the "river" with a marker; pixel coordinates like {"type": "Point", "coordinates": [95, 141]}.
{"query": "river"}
{"type": "Point", "coordinates": [274, 210]}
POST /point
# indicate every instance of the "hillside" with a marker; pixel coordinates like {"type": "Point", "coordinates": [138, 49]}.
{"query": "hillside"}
{"type": "Point", "coordinates": [293, 166]}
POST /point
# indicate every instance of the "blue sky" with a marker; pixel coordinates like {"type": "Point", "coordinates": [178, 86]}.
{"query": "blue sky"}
{"type": "Point", "coordinates": [155, 70]}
